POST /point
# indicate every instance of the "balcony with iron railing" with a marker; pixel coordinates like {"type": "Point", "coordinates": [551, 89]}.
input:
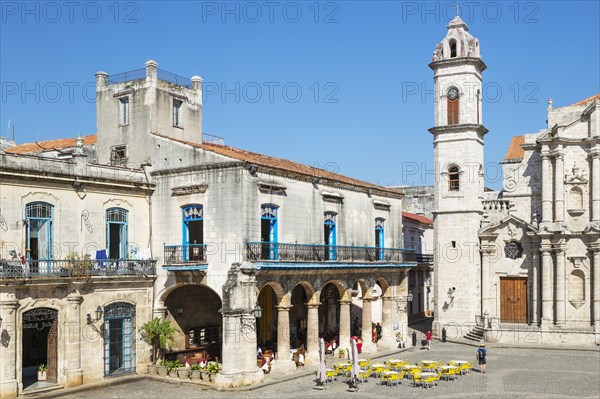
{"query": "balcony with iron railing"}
{"type": "Point", "coordinates": [185, 257]}
{"type": "Point", "coordinates": [283, 253]}
{"type": "Point", "coordinates": [69, 268]}
{"type": "Point", "coordinates": [424, 259]}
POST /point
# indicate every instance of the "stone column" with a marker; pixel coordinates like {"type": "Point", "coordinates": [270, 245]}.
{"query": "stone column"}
{"type": "Point", "coordinates": [73, 340]}
{"type": "Point", "coordinates": [8, 348]}
{"type": "Point", "coordinates": [239, 328]}
{"type": "Point", "coordinates": [560, 287]}
{"type": "Point", "coordinates": [547, 316]}
{"type": "Point", "coordinates": [284, 363]}
{"type": "Point", "coordinates": [595, 181]}
{"type": "Point", "coordinates": [559, 196]}
{"type": "Point", "coordinates": [535, 266]}
{"type": "Point", "coordinates": [388, 340]}
{"type": "Point", "coordinates": [312, 333]}
{"type": "Point", "coordinates": [367, 329]}
{"type": "Point", "coordinates": [546, 187]}
{"type": "Point", "coordinates": [596, 288]}
{"type": "Point", "coordinates": [344, 324]}
{"type": "Point", "coordinates": [486, 298]}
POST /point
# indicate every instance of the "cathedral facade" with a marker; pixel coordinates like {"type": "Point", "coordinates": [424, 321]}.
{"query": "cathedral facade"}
{"type": "Point", "coordinates": [521, 264]}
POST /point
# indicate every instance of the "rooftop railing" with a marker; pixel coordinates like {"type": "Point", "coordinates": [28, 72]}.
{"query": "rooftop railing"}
{"type": "Point", "coordinates": [286, 252]}
{"type": "Point", "coordinates": [139, 74]}
{"type": "Point", "coordinates": [76, 268]}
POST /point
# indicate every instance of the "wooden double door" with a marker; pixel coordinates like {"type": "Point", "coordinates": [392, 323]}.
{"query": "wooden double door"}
{"type": "Point", "coordinates": [513, 299]}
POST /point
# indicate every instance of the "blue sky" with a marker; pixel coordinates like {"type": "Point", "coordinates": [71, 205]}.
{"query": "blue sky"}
{"type": "Point", "coordinates": [337, 84]}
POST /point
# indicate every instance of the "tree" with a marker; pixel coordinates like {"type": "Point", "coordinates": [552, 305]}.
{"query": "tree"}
{"type": "Point", "coordinates": [158, 333]}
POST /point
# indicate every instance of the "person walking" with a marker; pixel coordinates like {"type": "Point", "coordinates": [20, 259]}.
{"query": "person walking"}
{"type": "Point", "coordinates": [378, 329]}
{"type": "Point", "coordinates": [481, 355]}
{"type": "Point", "coordinates": [428, 337]}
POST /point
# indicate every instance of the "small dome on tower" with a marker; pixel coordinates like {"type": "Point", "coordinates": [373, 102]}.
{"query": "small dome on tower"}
{"type": "Point", "coordinates": [457, 43]}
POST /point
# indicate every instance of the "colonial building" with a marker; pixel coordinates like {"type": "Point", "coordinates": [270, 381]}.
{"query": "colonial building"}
{"type": "Point", "coordinates": [151, 218]}
{"type": "Point", "coordinates": [524, 262]}
{"type": "Point", "coordinates": [418, 235]}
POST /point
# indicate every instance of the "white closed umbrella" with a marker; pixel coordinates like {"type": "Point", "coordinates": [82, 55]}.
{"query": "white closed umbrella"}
{"type": "Point", "coordinates": [355, 373]}
{"type": "Point", "coordinates": [322, 372]}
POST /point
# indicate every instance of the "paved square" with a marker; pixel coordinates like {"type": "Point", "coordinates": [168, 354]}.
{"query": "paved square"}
{"type": "Point", "coordinates": [511, 372]}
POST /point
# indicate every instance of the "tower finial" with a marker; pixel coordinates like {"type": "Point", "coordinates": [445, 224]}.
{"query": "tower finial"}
{"type": "Point", "coordinates": [457, 9]}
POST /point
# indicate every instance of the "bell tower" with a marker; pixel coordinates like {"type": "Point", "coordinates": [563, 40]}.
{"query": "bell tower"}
{"type": "Point", "coordinates": [458, 157]}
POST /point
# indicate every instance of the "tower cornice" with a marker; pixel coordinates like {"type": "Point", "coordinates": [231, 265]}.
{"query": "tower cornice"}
{"type": "Point", "coordinates": [459, 128]}
{"type": "Point", "coordinates": [459, 61]}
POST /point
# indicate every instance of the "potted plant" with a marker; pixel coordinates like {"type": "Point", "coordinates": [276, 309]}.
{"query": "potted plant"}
{"type": "Point", "coordinates": [161, 368]}
{"type": "Point", "coordinates": [172, 366]}
{"type": "Point", "coordinates": [212, 368]}
{"type": "Point", "coordinates": [341, 353]}
{"type": "Point", "coordinates": [183, 372]}
{"type": "Point", "coordinates": [158, 333]}
{"type": "Point", "coordinates": [42, 372]}
{"type": "Point", "coordinates": [196, 372]}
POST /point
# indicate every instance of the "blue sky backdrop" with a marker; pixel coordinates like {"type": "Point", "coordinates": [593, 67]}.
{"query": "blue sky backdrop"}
{"type": "Point", "coordinates": [337, 84]}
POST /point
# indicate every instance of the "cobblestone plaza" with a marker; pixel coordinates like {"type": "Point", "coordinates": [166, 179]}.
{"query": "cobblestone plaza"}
{"type": "Point", "coordinates": [512, 372]}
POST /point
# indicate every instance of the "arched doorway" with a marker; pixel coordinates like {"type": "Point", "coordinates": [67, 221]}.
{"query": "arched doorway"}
{"type": "Point", "coordinates": [298, 317]}
{"type": "Point", "coordinates": [40, 347]}
{"type": "Point", "coordinates": [267, 324]}
{"type": "Point", "coordinates": [329, 312]}
{"type": "Point", "coordinates": [119, 339]}
{"type": "Point", "coordinates": [194, 311]}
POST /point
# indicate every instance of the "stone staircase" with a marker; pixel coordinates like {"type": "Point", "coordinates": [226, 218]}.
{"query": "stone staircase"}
{"type": "Point", "coordinates": [475, 334]}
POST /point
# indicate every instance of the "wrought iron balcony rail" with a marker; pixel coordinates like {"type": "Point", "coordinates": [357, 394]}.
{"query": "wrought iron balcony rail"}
{"type": "Point", "coordinates": [139, 74]}
{"type": "Point", "coordinates": [423, 258]}
{"type": "Point", "coordinates": [185, 254]}
{"type": "Point", "coordinates": [285, 252]}
{"type": "Point", "coordinates": [76, 268]}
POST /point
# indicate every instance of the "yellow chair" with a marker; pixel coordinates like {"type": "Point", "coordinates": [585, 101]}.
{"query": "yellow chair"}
{"type": "Point", "coordinates": [377, 370]}
{"type": "Point", "coordinates": [464, 368]}
{"type": "Point", "coordinates": [417, 380]}
{"type": "Point", "coordinates": [364, 363]}
{"type": "Point", "coordinates": [386, 379]}
{"type": "Point", "coordinates": [363, 375]}
{"type": "Point", "coordinates": [394, 379]}
{"type": "Point", "coordinates": [330, 375]}
{"type": "Point", "coordinates": [453, 373]}
{"type": "Point", "coordinates": [429, 381]}
{"type": "Point", "coordinates": [402, 375]}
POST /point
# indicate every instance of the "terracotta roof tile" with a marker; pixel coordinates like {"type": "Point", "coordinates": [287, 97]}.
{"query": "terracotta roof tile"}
{"type": "Point", "coordinates": [49, 145]}
{"type": "Point", "coordinates": [281, 164]}
{"type": "Point", "coordinates": [515, 151]}
{"type": "Point", "coordinates": [587, 100]}
{"type": "Point", "coordinates": [417, 218]}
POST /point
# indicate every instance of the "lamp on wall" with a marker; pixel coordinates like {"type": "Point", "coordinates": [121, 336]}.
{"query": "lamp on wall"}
{"type": "Point", "coordinates": [0, 321]}
{"type": "Point", "coordinates": [451, 294]}
{"type": "Point", "coordinates": [257, 311]}
{"type": "Point", "coordinates": [98, 316]}
{"type": "Point", "coordinates": [179, 311]}
{"type": "Point", "coordinates": [409, 297]}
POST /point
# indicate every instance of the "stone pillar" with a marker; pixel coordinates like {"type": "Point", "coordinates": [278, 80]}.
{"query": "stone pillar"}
{"type": "Point", "coordinates": [151, 70]}
{"type": "Point", "coordinates": [596, 288]}
{"type": "Point", "coordinates": [8, 348]}
{"type": "Point", "coordinates": [559, 196]}
{"type": "Point", "coordinates": [388, 340]}
{"type": "Point", "coordinates": [284, 363]}
{"type": "Point", "coordinates": [546, 187]}
{"type": "Point", "coordinates": [535, 266]}
{"type": "Point", "coordinates": [595, 181]}
{"type": "Point", "coordinates": [487, 304]}
{"type": "Point", "coordinates": [367, 328]}
{"type": "Point", "coordinates": [547, 315]}
{"type": "Point", "coordinates": [73, 337]}
{"type": "Point", "coordinates": [239, 328]}
{"type": "Point", "coordinates": [344, 324]}
{"type": "Point", "coordinates": [560, 287]}
{"type": "Point", "coordinates": [312, 333]}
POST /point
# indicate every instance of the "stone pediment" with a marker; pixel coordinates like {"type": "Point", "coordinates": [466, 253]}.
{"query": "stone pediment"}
{"type": "Point", "coordinates": [509, 221]}
{"type": "Point", "coordinates": [576, 180]}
